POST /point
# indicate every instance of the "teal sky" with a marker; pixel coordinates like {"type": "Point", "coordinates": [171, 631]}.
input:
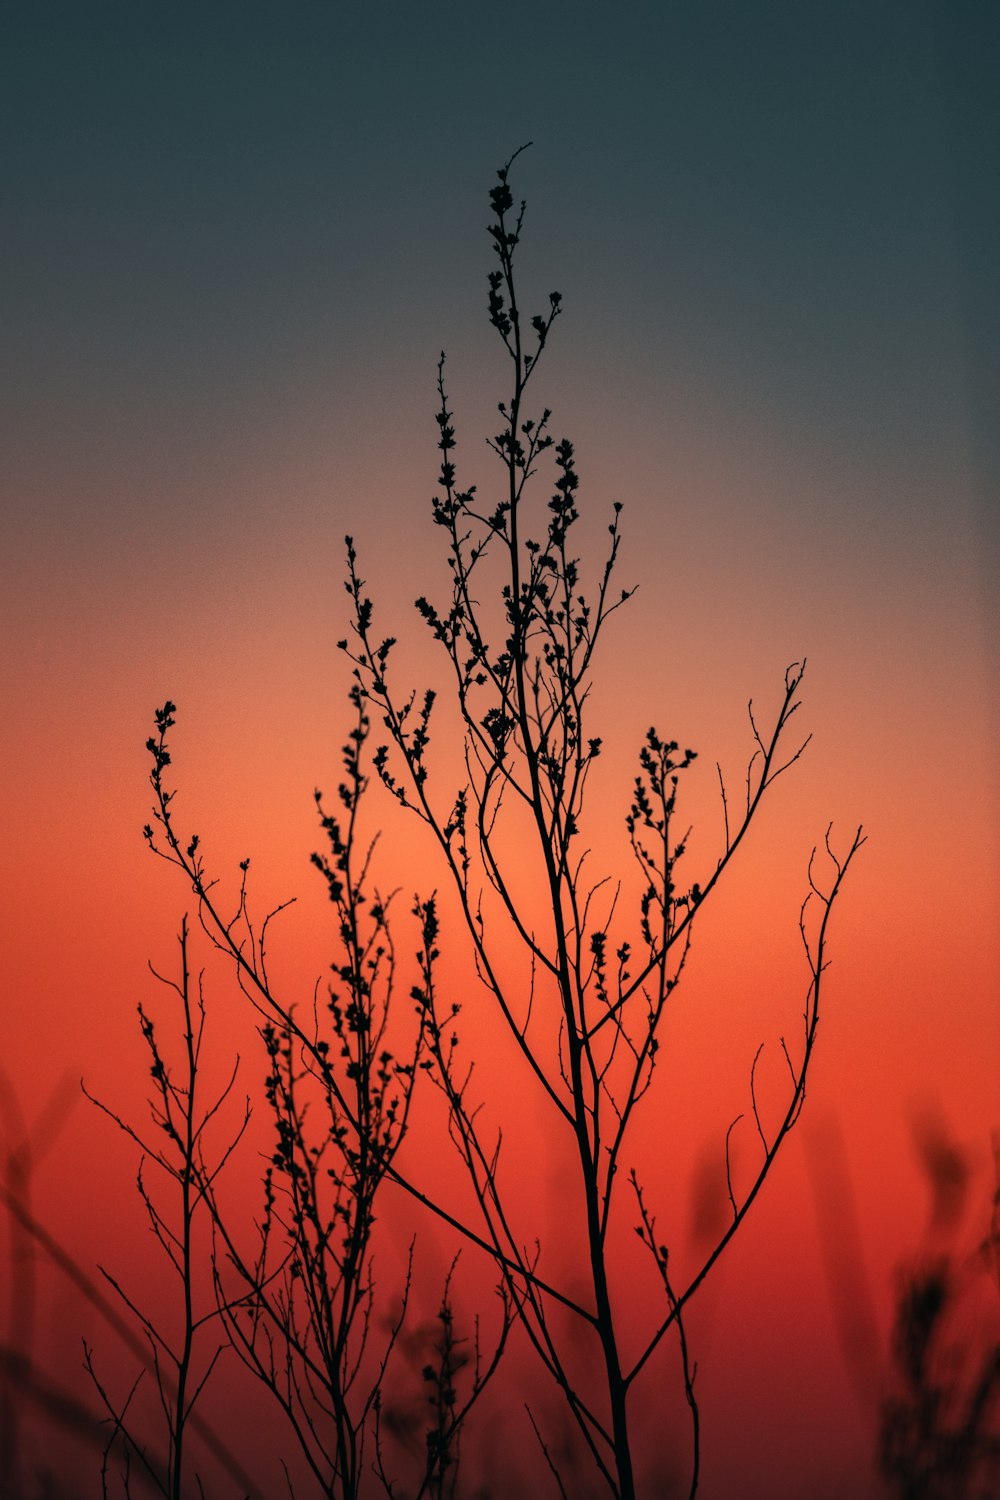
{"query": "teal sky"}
{"type": "Point", "coordinates": [797, 197]}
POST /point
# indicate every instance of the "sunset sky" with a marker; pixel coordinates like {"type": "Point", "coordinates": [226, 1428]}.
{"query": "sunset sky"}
{"type": "Point", "coordinates": [236, 238]}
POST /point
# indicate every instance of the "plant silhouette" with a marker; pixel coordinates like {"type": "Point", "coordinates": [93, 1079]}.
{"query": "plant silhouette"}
{"type": "Point", "coordinates": [939, 1427]}
{"type": "Point", "coordinates": [519, 634]}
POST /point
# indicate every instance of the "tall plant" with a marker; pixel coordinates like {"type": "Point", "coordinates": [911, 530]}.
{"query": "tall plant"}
{"type": "Point", "coordinates": [296, 1289]}
{"type": "Point", "coordinates": [589, 1027]}
{"type": "Point", "coordinates": [519, 632]}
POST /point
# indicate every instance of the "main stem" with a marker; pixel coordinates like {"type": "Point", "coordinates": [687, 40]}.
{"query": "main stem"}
{"type": "Point", "coordinates": [617, 1387]}
{"type": "Point", "coordinates": [587, 1148]}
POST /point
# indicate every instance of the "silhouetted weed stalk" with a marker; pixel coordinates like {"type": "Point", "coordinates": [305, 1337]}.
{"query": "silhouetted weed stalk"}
{"type": "Point", "coordinates": [181, 1358]}
{"type": "Point", "coordinates": [300, 1308]}
{"type": "Point", "coordinates": [295, 1299]}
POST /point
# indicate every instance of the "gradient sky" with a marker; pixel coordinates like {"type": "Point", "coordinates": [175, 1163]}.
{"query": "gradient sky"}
{"type": "Point", "coordinates": [236, 237]}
